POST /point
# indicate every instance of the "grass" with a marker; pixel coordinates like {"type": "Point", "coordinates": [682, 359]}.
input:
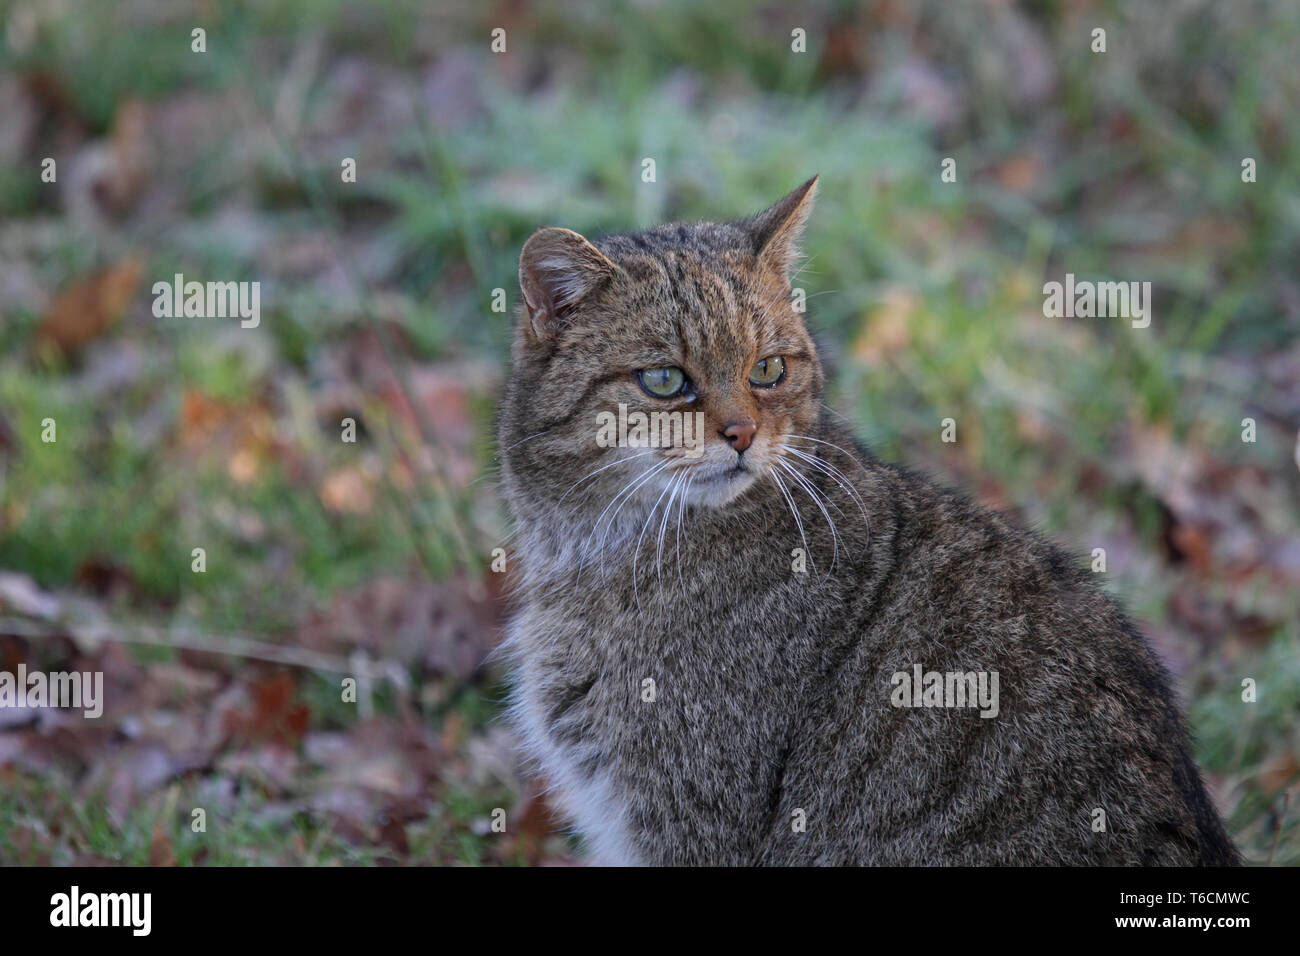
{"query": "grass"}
{"type": "Point", "coordinates": [1130, 169]}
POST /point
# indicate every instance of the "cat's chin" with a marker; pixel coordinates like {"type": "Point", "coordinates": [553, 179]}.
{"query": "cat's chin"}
{"type": "Point", "coordinates": [721, 489]}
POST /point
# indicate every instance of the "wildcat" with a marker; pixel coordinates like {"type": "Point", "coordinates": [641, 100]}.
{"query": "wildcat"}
{"type": "Point", "coordinates": [710, 649]}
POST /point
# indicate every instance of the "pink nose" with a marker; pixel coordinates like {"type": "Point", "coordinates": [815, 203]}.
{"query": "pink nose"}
{"type": "Point", "coordinates": [740, 434]}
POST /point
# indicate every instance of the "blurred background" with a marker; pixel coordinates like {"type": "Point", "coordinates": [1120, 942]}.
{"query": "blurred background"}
{"type": "Point", "coordinates": [326, 559]}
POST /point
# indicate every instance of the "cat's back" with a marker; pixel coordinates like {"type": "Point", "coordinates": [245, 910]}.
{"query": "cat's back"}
{"type": "Point", "coordinates": [993, 705]}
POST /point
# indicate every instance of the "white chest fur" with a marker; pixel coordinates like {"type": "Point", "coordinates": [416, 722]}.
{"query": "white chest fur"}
{"type": "Point", "coordinates": [589, 802]}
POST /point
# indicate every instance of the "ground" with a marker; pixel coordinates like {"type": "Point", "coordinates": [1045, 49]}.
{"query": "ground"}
{"type": "Point", "coordinates": [325, 559]}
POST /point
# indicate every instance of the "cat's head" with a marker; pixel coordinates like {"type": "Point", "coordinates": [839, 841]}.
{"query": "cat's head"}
{"type": "Point", "coordinates": [695, 321]}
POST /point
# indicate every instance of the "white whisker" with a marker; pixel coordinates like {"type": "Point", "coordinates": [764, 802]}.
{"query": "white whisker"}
{"type": "Point", "coordinates": [663, 527]}
{"type": "Point", "coordinates": [828, 469]}
{"type": "Point", "coordinates": [681, 511]}
{"type": "Point", "coordinates": [625, 494]}
{"type": "Point", "coordinates": [834, 474]}
{"type": "Point", "coordinates": [794, 510]}
{"type": "Point", "coordinates": [593, 474]}
{"type": "Point", "coordinates": [811, 491]}
{"type": "Point", "coordinates": [521, 441]}
{"type": "Point", "coordinates": [636, 550]}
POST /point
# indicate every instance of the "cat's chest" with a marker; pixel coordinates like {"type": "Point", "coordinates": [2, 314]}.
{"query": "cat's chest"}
{"type": "Point", "coordinates": [637, 624]}
{"type": "Point", "coordinates": [643, 674]}
{"type": "Point", "coordinates": [627, 715]}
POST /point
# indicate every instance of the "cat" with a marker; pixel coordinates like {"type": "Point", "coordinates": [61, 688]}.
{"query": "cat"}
{"type": "Point", "coordinates": [712, 652]}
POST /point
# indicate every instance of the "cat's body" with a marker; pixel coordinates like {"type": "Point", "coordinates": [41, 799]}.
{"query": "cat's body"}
{"type": "Point", "coordinates": [696, 698]}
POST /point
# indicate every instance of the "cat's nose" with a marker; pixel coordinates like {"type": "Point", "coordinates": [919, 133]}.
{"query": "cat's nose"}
{"type": "Point", "coordinates": [740, 434]}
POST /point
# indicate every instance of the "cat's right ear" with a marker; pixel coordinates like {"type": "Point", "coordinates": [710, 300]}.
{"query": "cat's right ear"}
{"type": "Point", "coordinates": [558, 269]}
{"type": "Point", "coordinates": [776, 230]}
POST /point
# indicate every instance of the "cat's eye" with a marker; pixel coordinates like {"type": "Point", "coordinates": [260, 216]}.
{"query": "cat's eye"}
{"type": "Point", "coordinates": [767, 372]}
{"type": "Point", "coordinates": [662, 382]}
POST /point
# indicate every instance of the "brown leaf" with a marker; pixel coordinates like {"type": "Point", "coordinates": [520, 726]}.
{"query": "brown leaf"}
{"type": "Point", "coordinates": [104, 579]}
{"type": "Point", "coordinates": [241, 433]}
{"type": "Point", "coordinates": [91, 307]}
{"type": "Point", "coordinates": [392, 834]}
{"type": "Point", "coordinates": [275, 717]}
{"type": "Point", "coordinates": [888, 327]}
{"type": "Point", "coordinates": [1019, 173]}
{"type": "Point", "coordinates": [1193, 543]}
{"type": "Point", "coordinates": [348, 490]}
{"type": "Point", "coordinates": [127, 173]}
{"type": "Point", "coordinates": [160, 847]}
{"type": "Point", "coordinates": [200, 415]}
{"type": "Point", "coordinates": [534, 822]}
{"type": "Point", "coordinates": [1278, 772]}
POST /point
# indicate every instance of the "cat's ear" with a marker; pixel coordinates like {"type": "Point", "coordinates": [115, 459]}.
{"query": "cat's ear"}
{"type": "Point", "coordinates": [776, 230]}
{"type": "Point", "coordinates": [558, 269]}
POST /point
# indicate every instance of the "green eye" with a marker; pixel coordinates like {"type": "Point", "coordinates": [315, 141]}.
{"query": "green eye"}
{"type": "Point", "coordinates": [768, 372]}
{"type": "Point", "coordinates": [662, 382]}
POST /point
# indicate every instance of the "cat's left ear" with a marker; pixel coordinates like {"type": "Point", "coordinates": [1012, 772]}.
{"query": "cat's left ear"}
{"type": "Point", "coordinates": [776, 230]}
{"type": "Point", "coordinates": [557, 270]}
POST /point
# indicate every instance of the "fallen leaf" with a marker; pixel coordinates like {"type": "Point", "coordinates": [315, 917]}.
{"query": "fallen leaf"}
{"type": "Point", "coordinates": [392, 834]}
{"type": "Point", "coordinates": [1191, 542]}
{"type": "Point", "coordinates": [160, 846]}
{"type": "Point", "coordinates": [275, 718]}
{"type": "Point", "coordinates": [348, 490]}
{"type": "Point", "coordinates": [118, 191]}
{"type": "Point", "coordinates": [1280, 771]}
{"type": "Point", "coordinates": [887, 330]}
{"type": "Point", "coordinates": [1019, 173]}
{"type": "Point", "coordinates": [91, 307]}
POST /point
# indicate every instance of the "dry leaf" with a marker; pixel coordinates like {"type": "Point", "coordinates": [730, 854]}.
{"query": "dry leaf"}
{"type": "Point", "coordinates": [1278, 772]}
{"type": "Point", "coordinates": [348, 491]}
{"type": "Point", "coordinates": [89, 308]}
{"type": "Point", "coordinates": [887, 330]}
{"type": "Point", "coordinates": [275, 717]}
{"type": "Point", "coordinates": [129, 150]}
{"type": "Point", "coordinates": [160, 847]}
{"type": "Point", "coordinates": [1019, 173]}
